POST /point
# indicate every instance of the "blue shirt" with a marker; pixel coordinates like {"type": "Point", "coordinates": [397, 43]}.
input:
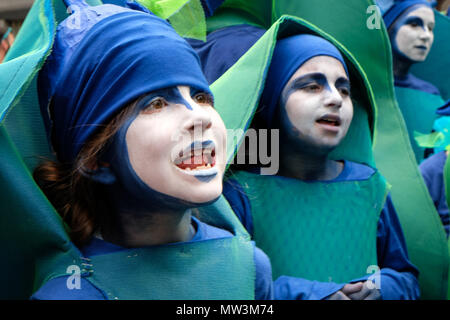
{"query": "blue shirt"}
{"type": "Point", "coordinates": [398, 274]}
{"type": "Point", "coordinates": [412, 82]}
{"type": "Point", "coordinates": [56, 289]}
{"type": "Point", "coordinates": [432, 170]}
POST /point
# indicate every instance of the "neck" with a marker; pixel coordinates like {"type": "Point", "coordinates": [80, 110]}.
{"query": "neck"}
{"type": "Point", "coordinates": [401, 66]}
{"type": "Point", "coordinates": [307, 166]}
{"type": "Point", "coordinates": [132, 230]}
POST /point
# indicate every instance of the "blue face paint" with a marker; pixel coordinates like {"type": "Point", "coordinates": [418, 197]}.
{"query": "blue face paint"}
{"type": "Point", "coordinates": [127, 189]}
{"type": "Point", "coordinates": [311, 80]}
{"type": "Point", "coordinates": [301, 131]}
{"type": "Point", "coordinates": [204, 175]}
{"type": "Point", "coordinates": [403, 20]}
{"type": "Point", "coordinates": [171, 95]}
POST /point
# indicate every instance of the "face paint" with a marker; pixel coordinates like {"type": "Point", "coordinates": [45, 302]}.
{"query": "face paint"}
{"type": "Point", "coordinates": [316, 109]}
{"type": "Point", "coordinates": [149, 176]}
{"type": "Point", "coordinates": [412, 35]}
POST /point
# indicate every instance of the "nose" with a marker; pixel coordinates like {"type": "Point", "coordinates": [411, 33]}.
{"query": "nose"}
{"type": "Point", "coordinates": [426, 35]}
{"type": "Point", "coordinates": [333, 98]}
{"type": "Point", "coordinates": [199, 119]}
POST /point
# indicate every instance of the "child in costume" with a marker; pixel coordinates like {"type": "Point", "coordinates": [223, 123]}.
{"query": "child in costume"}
{"type": "Point", "coordinates": [140, 150]}
{"type": "Point", "coordinates": [432, 170]}
{"type": "Point", "coordinates": [323, 223]}
{"type": "Point", "coordinates": [410, 26]}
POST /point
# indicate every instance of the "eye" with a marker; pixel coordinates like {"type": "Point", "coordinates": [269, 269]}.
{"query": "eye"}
{"type": "Point", "coordinates": [313, 88]}
{"type": "Point", "coordinates": [414, 24]}
{"type": "Point", "coordinates": [204, 98]}
{"type": "Point", "coordinates": [156, 104]}
{"type": "Point", "coordinates": [344, 91]}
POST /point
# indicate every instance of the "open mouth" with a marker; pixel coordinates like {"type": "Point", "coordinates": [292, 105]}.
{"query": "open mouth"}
{"type": "Point", "coordinates": [330, 120]}
{"type": "Point", "coordinates": [197, 157]}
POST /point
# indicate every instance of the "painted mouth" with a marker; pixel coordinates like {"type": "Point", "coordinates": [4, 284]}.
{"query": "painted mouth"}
{"type": "Point", "coordinates": [329, 120]}
{"type": "Point", "coordinates": [422, 47]}
{"type": "Point", "coordinates": [198, 159]}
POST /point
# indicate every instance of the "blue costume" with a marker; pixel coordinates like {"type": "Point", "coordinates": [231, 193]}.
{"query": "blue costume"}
{"type": "Point", "coordinates": [56, 289]}
{"type": "Point", "coordinates": [93, 73]}
{"type": "Point", "coordinates": [392, 17]}
{"type": "Point", "coordinates": [413, 82]}
{"type": "Point", "coordinates": [398, 275]}
{"type": "Point", "coordinates": [224, 47]}
{"type": "Point", "coordinates": [417, 98]}
{"type": "Point", "coordinates": [432, 170]}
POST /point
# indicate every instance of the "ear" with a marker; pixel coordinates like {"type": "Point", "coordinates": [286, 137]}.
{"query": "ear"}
{"type": "Point", "coordinates": [101, 174]}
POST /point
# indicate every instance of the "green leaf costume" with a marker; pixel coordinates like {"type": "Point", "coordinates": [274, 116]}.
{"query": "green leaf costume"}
{"type": "Point", "coordinates": [392, 151]}
{"type": "Point", "coordinates": [33, 235]}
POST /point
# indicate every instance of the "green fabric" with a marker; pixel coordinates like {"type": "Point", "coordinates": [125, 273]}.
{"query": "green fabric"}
{"type": "Point", "coordinates": [33, 235]}
{"type": "Point", "coordinates": [237, 94]}
{"type": "Point", "coordinates": [432, 140]}
{"type": "Point", "coordinates": [447, 195]}
{"type": "Point", "coordinates": [419, 112]}
{"type": "Point", "coordinates": [163, 8]}
{"type": "Point", "coordinates": [208, 270]}
{"type": "Point", "coordinates": [433, 68]}
{"type": "Point", "coordinates": [186, 16]}
{"type": "Point", "coordinates": [392, 151]}
{"type": "Point", "coordinates": [29, 226]}
{"type": "Point", "coordinates": [242, 84]}
{"type": "Point", "coordinates": [313, 230]}
{"type": "Point", "coordinates": [232, 12]}
{"type": "Point", "coordinates": [447, 180]}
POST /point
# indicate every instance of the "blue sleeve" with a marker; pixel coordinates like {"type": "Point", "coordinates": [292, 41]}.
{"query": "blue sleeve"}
{"type": "Point", "coordinates": [291, 288]}
{"type": "Point", "coordinates": [432, 170]}
{"type": "Point", "coordinates": [398, 279]}
{"type": "Point", "coordinates": [263, 281]}
{"type": "Point", "coordinates": [56, 289]}
{"type": "Point", "coordinates": [236, 197]}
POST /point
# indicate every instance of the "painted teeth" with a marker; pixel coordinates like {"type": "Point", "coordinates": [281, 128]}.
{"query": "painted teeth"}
{"type": "Point", "coordinates": [208, 166]}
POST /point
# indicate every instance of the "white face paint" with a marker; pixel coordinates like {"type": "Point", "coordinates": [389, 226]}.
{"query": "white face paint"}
{"type": "Point", "coordinates": [415, 36]}
{"type": "Point", "coordinates": [318, 109]}
{"type": "Point", "coordinates": [159, 147]}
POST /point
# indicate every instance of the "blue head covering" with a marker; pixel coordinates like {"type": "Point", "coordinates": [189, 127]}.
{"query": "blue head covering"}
{"type": "Point", "coordinates": [444, 110]}
{"type": "Point", "coordinates": [399, 8]}
{"type": "Point", "coordinates": [289, 55]}
{"type": "Point", "coordinates": [105, 57]}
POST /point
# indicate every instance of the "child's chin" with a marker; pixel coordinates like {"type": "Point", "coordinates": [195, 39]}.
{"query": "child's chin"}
{"type": "Point", "coordinates": [204, 197]}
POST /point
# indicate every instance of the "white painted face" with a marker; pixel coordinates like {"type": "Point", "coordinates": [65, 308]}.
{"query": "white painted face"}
{"type": "Point", "coordinates": [415, 36]}
{"type": "Point", "coordinates": [160, 149]}
{"type": "Point", "coordinates": [317, 109]}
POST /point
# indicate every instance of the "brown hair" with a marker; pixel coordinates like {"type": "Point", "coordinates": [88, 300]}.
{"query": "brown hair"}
{"type": "Point", "coordinates": [79, 200]}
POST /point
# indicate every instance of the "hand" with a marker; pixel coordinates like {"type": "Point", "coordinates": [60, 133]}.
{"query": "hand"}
{"type": "Point", "coordinates": [361, 291]}
{"type": "Point", "coordinates": [338, 295]}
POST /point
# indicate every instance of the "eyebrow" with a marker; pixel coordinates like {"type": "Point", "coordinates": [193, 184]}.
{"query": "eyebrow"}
{"type": "Point", "coordinates": [343, 82]}
{"type": "Point", "coordinates": [318, 77]}
{"type": "Point", "coordinates": [307, 78]}
{"type": "Point", "coordinates": [414, 19]}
